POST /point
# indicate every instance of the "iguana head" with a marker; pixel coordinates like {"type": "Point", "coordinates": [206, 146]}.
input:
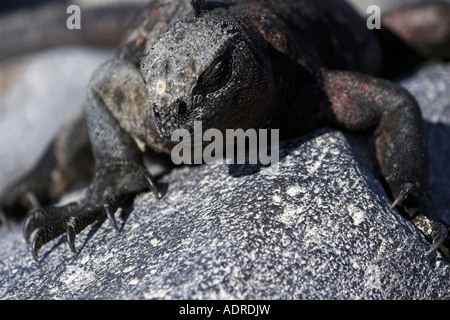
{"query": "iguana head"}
{"type": "Point", "coordinates": [206, 68]}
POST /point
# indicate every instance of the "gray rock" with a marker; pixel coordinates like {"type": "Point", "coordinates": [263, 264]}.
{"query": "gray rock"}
{"type": "Point", "coordinates": [319, 227]}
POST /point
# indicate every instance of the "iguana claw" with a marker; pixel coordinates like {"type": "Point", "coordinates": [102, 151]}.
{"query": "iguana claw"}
{"type": "Point", "coordinates": [436, 231]}
{"type": "Point", "coordinates": [430, 228]}
{"type": "Point", "coordinates": [405, 191]}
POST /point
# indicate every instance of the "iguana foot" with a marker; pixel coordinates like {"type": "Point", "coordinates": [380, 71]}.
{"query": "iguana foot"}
{"type": "Point", "coordinates": [430, 228]}
{"type": "Point", "coordinates": [109, 191]}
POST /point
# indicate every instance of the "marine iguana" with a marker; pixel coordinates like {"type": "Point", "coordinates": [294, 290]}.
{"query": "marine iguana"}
{"type": "Point", "coordinates": [291, 65]}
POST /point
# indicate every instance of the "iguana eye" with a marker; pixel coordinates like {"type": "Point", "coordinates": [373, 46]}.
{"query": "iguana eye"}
{"type": "Point", "coordinates": [216, 76]}
{"type": "Point", "coordinates": [217, 70]}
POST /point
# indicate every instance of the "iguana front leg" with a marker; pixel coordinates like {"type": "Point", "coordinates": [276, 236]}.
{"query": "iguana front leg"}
{"type": "Point", "coordinates": [361, 103]}
{"type": "Point", "coordinates": [119, 174]}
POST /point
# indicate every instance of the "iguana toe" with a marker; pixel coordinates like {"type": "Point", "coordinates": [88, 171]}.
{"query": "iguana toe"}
{"type": "Point", "coordinates": [404, 192]}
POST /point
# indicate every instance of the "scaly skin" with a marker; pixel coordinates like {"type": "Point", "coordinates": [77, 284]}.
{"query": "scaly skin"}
{"type": "Point", "coordinates": [291, 65]}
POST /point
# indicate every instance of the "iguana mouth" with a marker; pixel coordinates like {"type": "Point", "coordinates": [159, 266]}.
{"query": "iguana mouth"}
{"type": "Point", "coordinates": [182, 114]}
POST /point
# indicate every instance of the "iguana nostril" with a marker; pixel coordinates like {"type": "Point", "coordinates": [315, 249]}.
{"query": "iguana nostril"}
{"type": "Point", "coordinates": [180, 107]}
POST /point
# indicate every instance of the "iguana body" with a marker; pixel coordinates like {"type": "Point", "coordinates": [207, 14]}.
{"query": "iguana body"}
{"type": "Point", "coordinates": [236, 64]}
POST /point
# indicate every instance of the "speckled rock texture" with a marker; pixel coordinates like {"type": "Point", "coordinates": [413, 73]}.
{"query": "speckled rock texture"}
{"type": "Point", "coordinates": [317, 226]}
